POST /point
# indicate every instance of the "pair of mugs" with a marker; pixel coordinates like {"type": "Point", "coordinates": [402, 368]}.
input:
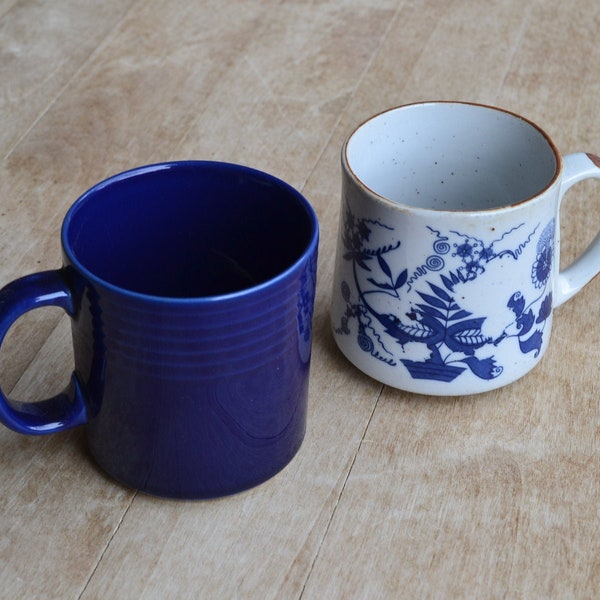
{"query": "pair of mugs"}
{"type": "Point", "coordinates": [191, 286]}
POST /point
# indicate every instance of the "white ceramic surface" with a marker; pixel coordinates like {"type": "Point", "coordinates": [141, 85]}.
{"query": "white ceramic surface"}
{"type": "Point", "coordinates": [448, 249]}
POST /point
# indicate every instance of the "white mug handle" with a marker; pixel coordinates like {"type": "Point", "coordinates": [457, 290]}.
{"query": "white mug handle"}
{"type": "Point", "coordinates": [577, 167]}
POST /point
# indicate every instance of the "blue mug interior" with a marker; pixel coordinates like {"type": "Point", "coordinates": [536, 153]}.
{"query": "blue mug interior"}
{"type": "Point", "coordinates": [188, 229]}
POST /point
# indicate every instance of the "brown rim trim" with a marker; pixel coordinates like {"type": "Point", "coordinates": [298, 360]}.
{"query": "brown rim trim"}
{"type": "Point", "coordinates": [595, 159]}
{"type": "Point", "coordinates": [387, 201]}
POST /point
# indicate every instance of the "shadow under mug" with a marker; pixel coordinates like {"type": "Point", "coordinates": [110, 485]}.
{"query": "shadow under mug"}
{"type": "Point", "coordinates": [447, 267]}
{"type": "Point", "coordinates": [190, 287]}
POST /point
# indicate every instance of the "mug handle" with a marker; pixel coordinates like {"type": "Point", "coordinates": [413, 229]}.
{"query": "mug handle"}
{"type": "Point", "coordinates": [65, 410]}
{"type": "Point", "coordinates": [576, 168]}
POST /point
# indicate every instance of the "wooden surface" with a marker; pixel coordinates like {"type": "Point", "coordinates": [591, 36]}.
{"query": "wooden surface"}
{"type": "Point", "coordinates": [391, 495]}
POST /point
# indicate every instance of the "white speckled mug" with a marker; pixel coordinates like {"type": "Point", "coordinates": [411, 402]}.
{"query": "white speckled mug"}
{"type": "Point", "coordinates": [448, 253]}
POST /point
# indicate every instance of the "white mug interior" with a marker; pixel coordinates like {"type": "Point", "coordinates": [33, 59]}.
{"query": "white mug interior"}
{"type": "Point", "coordinates": [452, 156]}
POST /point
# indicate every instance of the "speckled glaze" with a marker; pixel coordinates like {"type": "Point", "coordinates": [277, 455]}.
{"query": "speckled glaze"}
{"type": "Point", "coordinates": [447, 266]}
{"type": "Point", "coordinates": [191, 288]}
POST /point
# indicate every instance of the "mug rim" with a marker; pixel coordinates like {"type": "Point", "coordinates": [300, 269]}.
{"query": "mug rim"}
{"type": "Point", "coordinates": [419, 209]}
{"type": "Point", "coordinates": [309, 249]}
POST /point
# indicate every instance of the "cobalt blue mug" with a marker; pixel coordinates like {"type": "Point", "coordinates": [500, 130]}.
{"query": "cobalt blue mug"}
{"type": "Point", "coordinates": [190, 287]}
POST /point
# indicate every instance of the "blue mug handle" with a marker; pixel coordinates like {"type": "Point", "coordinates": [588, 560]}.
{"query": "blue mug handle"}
{"type": "Point", "coordinates": [67, 409]}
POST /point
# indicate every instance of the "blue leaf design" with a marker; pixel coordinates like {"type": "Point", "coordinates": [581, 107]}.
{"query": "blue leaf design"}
{"type": "Point", "coordinates": [545, 309]}
{"type": "Point", "coordinates": [402, 278]}
{"type": "Point", "coordinates": [436, 328]}
{"type": "Point", "coordinates": [534, 343]}
{"type": "Point", "coordinates": [438, 291]}
{"type": "Point", "coordinates": [384, 266]}
{"type": "Point", "coordinates": [433, 301]}
{"type": "Point", "coordinates": [448, 283]}
{"type": "Point", "coordinates": [461, 314]}
{"type": "Point", "coordinates": [381, 286]}
{"type": "Point", "coordinates": [432, 312]}
{"type": "Point", "coordinates": [466, 336]}
{"type": "Point", "coordinates": [415, 332]}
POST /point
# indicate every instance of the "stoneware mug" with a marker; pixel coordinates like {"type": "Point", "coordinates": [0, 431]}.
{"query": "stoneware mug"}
{"type": "Point", "coordinates": [190, 287]}
{"type": "Point", "coordinates": [447, 267]}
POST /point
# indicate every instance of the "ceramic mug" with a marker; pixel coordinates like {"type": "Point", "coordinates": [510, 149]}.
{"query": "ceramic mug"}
{"type": "Point", "coordinates": [447, 267]}
{"type": "Point", "coordinates": [190, 287]}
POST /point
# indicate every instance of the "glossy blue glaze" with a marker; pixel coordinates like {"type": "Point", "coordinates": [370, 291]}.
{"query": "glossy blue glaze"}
{"type": "Point", "coordinates": [192, 288]}
{"type": "Point", "coordinates": [65, 410]}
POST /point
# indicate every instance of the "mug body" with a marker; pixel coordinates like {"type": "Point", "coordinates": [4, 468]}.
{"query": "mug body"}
{"type": "Point", "coordinates": [447, 247]}
{"type": "Point", "coordinates": [194, 287]}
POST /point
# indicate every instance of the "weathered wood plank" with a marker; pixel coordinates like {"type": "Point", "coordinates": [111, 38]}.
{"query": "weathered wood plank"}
{"type": "Point", "coordinates": [391, 495]}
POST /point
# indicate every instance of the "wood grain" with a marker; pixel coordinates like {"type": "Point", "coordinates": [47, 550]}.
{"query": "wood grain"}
{"type": "Point", "coordinates": [392, 495]}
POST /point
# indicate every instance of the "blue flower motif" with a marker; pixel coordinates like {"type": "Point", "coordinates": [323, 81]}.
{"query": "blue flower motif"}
{"type": "Point", "coordinates": [542, 267]}
{"type": "Point", "coordinates": [464, 250]}
{"type": "Point", "coordinates": [487, 254]}
{"type": "Point", "coordinates": [455, 338]}
{"type": "Point", "coordinates": [474, 256]}
{"type": "Point", "coordinates": [470, 270]}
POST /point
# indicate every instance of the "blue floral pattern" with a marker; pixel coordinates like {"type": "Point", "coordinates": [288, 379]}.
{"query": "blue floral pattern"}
{"type": "Point", "coordinates": [305, 307]}
{"type": "Point", "coordinates": [424, 300]}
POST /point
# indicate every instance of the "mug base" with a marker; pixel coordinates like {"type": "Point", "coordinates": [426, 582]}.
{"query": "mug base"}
{"type": "Point", "coordinates": [197, 487]}
{"type": "Point", "coordinates": [420, 377]}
